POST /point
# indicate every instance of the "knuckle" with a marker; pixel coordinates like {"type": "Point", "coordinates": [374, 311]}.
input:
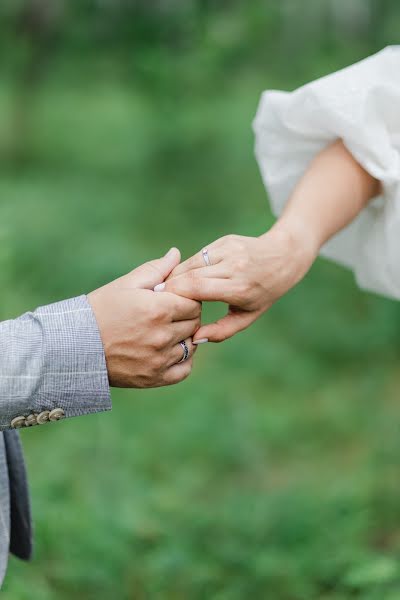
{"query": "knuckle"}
{"type": "Point", "coordinates": [160, 312]}
{"type": "Point", "coordinates": [238, 244]}
{"type": "Point", "coordinates": [229, 238]}
{"type": "Point", "coordinates": [156, 367]}
{"type": "Point", "coordinates": [247, 286]}
{"type": "Point", "coordinates": [241, 247]}
{"type": "Point", "coordinates": [242, 263]}
{"type": "Point", "coordinates": [243, 288]}
{"type": "Point", "coordinates": [159, 340]}
{"type": "Point", "coordinates": [228, 243]}
{"type": "Point", "coordinates": [145, 379]}
{"type": "Point", "coordinates": [235, 240]}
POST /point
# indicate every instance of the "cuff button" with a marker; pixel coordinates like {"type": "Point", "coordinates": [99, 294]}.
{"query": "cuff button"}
{"type": "Point", "coordinates": [30, 420]}
{"type": "Point", "coordinates": [43, 417]}
{"type": "Point", "coordinates": [56, 414]}
{"type": "Point", "coordinates": [18, 422]}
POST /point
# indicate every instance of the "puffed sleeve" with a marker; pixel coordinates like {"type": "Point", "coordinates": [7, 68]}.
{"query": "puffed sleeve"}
{"type": "Point", "coordinates": [361, 105]}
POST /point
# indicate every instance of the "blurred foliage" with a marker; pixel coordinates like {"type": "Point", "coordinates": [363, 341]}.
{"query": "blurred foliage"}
{"type": "Point", "coordinates": [273, 471]}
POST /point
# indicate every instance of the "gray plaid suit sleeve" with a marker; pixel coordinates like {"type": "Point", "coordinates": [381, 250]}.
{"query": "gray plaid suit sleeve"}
{"type": "Point", "coordinates": [52, 358]}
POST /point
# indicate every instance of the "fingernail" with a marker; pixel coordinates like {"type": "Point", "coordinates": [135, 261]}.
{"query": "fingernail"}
{"type": "Point", "coordinates": [201, 341]}
{"type": "Point", "coordinates": [160, 287]}
{"type": "Point", "coordinates": [170, 253]}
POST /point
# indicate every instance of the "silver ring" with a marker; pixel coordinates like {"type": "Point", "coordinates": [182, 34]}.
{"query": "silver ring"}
{"type": "Point", "coordinates": [206, 257]}
{"type": "Point", "coordinates": [186, 352]}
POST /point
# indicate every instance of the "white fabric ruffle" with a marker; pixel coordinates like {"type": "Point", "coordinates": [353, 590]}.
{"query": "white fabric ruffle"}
{"type": "Point", "coordinates": [361, 105]}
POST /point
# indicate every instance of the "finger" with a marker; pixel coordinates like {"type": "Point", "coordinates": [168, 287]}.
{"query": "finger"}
{"type": "Point", "coordinates": [180, 308]}
{"type": "Point", "coordinates": [175, 354]}
{"type": "Point", "coordinates": [197, 261]}
{"type": "Point", "coordinates": [155, 271]}
{"type": "Point", "coordinates": [183, 329]}
{"type": "Point", "coordinates": [178, 372]}
{"type": "Point", "coordinates": [224, 328]}
{"type": "Point", "coordinates": [219, 271]}
{"type": "Point", "coordinates": [210, 290]}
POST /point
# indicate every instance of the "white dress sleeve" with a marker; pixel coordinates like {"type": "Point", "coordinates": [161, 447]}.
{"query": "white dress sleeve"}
{"type": "Point", "coordinates": [361, 105]}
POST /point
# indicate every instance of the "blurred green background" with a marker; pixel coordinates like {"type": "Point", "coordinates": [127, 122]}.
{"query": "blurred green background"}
{"type": "Point", "coordinates": [273, 473]}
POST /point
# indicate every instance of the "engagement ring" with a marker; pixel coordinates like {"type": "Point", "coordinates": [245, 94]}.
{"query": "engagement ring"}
{"type": "Point", "coordinates": [206, 257]}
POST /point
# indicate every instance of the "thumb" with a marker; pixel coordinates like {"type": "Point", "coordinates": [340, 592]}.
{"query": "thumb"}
{"type": "Point", "coordinates": [224, 328]}
{"type": "Point", "coordinates": [148, 275]}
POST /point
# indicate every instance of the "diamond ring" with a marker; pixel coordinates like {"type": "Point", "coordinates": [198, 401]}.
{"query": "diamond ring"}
{"type": "Point", "coordinates": [206, 257]}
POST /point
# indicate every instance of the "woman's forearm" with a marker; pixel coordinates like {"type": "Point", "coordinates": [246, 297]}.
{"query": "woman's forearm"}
{"type": "Point", "coordinates": [333, 191]}
{"type": "Point", "coordinates": [250, 274]}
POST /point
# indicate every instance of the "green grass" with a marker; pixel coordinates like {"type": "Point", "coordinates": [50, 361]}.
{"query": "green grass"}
{"type": "Point", "coordinates": [273, 472]}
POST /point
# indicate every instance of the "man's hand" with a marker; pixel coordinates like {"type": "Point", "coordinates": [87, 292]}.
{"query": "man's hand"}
{"type": "Point", "coordinates": [141, 330]}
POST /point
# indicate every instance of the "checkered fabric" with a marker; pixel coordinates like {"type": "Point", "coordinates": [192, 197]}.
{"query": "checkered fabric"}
{"type": "Point", "coordinates": [50, 358]}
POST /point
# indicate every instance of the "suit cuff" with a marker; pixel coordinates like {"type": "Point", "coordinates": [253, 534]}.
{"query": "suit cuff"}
{"type": "Point", "coordinates": [75, 376]}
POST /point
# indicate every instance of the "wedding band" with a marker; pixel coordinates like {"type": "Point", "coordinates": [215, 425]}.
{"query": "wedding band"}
{"type": "Point", "coordinates": [185, 351]}
{"type": "Point", "coordinates": [206, 257]}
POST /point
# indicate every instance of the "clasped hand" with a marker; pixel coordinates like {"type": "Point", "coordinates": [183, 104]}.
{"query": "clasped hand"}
{"type": "Point", "coordinates": [248, 274]}
{"type": "Point", "coordinates": [143, 332]}
{"type": "Point", "coordinates": [146, 335]}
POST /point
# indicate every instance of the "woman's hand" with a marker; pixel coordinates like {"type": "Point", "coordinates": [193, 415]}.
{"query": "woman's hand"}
{"type": "Point", "coordinates": [249, 274]}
